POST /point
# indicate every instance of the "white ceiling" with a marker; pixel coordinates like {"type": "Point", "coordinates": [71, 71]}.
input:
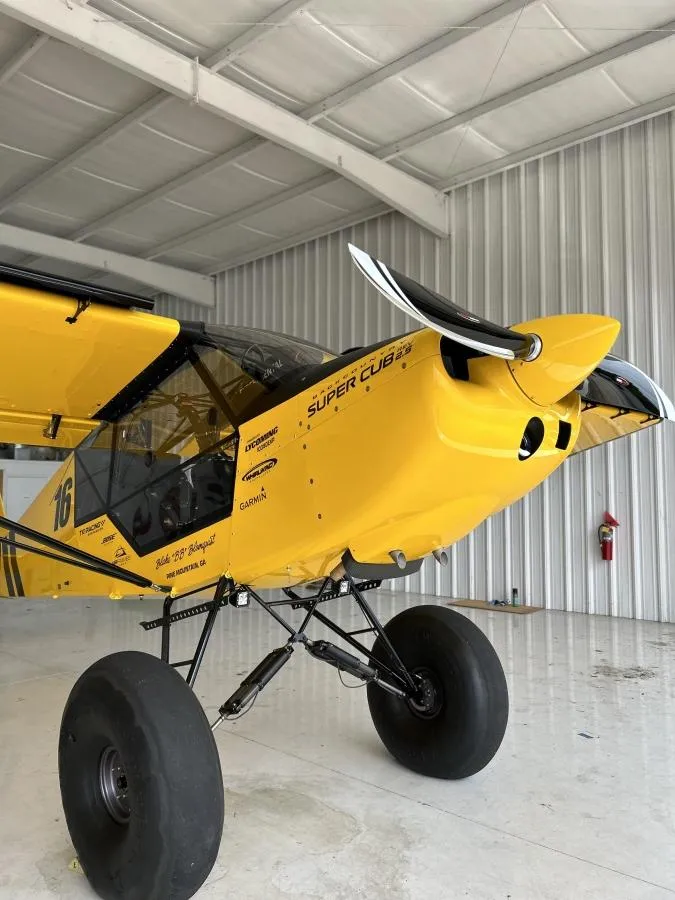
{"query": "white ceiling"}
{"type": "Point", "coordinates": [179, 185]}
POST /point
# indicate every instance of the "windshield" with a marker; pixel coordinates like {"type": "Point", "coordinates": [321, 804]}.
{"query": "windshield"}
{"type": "Point", "coordinates": [270, 359]}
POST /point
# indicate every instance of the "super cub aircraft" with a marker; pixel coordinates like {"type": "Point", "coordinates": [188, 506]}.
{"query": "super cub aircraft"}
{"type": "Point", "coordinates": [225, 458]}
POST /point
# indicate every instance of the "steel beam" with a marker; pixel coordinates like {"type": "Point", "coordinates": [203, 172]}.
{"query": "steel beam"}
{"type": "Point", "coordinates": [394, 149]}
{"type": "Point", "coordinates": [311, 113]}
{"type": "Point", "coordinates": [254, 34]}
{"type": "Point", "coordinates": [131, 51]}
{"type": "Point", "coordinates": [561, 142]}
{"type": "Point", "coordinates": [179, 282]}
{"type": "Point", "coordinates": [216, 62]}
{"type": "Point", "coordinates": [14, 63]}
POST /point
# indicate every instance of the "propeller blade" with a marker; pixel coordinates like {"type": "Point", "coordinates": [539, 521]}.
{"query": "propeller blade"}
{"type": "Point", "coordinates": [443, 316]}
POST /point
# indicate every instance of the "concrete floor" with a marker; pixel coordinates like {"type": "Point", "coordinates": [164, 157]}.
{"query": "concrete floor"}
{"type": "Point", "coordinates": [578, 803]}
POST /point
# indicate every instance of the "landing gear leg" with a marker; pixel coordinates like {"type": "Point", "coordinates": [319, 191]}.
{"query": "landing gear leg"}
{"type": "Point", "coordinates": [436, 689]}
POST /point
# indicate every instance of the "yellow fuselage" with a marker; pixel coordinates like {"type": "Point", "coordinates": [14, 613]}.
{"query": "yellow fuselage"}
{"type": "Point", "coordinates": [388, 453]}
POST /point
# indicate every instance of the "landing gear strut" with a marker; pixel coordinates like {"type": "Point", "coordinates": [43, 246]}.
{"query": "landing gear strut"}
{"type": "Point", "coordinates": [436, 689]}
{"type": "Point", "coordinates": [139, 768]}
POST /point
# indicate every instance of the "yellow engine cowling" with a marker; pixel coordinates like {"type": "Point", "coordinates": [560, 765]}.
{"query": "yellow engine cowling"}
{"type": "Point", "coordinates": [392, 453]}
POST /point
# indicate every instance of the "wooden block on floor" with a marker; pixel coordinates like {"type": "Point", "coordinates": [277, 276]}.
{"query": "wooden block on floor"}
{"type": "Point", "coordinates": [482, 604]}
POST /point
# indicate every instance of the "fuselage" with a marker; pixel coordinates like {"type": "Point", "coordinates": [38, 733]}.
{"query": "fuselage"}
{"type": "Point", "coordinates": [403, 447]}
{"type": "Point", "coordinates": [391, 453]}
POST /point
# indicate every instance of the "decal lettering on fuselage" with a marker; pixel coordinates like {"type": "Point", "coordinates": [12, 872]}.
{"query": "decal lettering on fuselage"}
{"type": "Point", "coordinates": [91, 529]}
{"type": "Point", "coordinates": [259, 469]}
{"type": "Point", "coordinates": [188, 550]}
{"type": "Point", "coordinates": [201, 546]}
{"type": "Point", "coordinates": [261, 441]}
{"type": "Point", "coordinates": [260, 497]}
{"type": "Point", "coordinates": [190, 567]}
{"type": "Point", "coordinates": [369, 370]}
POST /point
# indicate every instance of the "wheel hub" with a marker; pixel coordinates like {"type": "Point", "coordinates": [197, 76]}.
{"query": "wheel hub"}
{"type": "Point", "coordinates": [112, 782]}
{"type": "Point", "coordinates": [428, 700]}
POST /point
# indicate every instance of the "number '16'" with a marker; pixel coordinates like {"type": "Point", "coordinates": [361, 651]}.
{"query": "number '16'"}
{"type": "Point", "coordinates": [63, 499]}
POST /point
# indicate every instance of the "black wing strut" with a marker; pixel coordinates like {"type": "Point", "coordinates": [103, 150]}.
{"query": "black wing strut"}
{"type": "Point", "coordinates": [70, 555]}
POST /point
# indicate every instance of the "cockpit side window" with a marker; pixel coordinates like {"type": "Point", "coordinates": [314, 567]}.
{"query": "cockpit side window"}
{"type": "Point", "coordinates": [166, 468]}
{"type": "Point", "coordinates": [238, 388]}
{"type": "Point", "coordinates": [270, 359]}
{"type": "Point", "coordinates": [252, 367]}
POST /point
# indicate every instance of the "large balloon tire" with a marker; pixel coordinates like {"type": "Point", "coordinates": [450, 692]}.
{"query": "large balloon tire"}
{"type": "Point", "coordinates": [459, 727]}
{"type": "Point", "coordinates": [140, 779]}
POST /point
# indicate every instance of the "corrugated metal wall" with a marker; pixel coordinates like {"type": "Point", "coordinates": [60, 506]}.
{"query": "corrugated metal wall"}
{"type": "Point", "coordinates": [591, 228]}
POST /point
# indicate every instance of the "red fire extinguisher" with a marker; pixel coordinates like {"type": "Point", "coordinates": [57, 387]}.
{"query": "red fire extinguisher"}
{"type": "Point", "coordinates": [606, 536]}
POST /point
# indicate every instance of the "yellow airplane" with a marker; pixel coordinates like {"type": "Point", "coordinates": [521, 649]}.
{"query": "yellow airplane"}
{"type": "Point", "coordinates": [225, 458]}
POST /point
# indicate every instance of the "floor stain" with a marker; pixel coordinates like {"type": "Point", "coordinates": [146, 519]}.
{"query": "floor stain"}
{"type": "Point", "coordinates": [631, 672]}
{"type": "Point", "coordinates": [316, 851]}
{"type": "Point", "coordinates": [302, 818]}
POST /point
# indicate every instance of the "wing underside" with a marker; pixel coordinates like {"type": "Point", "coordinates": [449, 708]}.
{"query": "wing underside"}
{"type": "Point", "coordinates": [66, 355]}
{"type": "Point", "coordinates": [619, 400]}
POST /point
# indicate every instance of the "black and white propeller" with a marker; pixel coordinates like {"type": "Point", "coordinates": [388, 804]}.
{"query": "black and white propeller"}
{"type": "Point", "coordinates": [445, 317]}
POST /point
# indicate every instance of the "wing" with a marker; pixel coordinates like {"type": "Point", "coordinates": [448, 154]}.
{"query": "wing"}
{"type": "Point", "coordinates": [618, 400]}
{"type": "Point", "coordinates": [68, 349]}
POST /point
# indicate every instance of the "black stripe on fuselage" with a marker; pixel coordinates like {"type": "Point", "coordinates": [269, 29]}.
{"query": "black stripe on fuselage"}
{"type": "Point", "coordinates": [14, 562]}
{"type": "Point", "coordinates": [6, 569]}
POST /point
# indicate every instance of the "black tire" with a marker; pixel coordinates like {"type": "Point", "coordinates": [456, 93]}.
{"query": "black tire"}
{"type": "Point", "coordinates": [467, 707]}
{"type": "Point", "coordinates": [161, 841]}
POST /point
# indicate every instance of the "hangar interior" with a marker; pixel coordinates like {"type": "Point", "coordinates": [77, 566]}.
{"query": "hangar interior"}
{"type": "Point", "coordinates": [517, 157]}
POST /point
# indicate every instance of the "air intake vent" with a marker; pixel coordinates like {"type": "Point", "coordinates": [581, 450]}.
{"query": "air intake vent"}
{"type": "Point", "coordinates": [564, 435]}
{"type": "Point", "coordinates": [532, 438]}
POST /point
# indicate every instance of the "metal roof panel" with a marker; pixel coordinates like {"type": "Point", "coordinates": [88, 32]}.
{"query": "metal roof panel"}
{"type": "Point", "coordinates": [321, 62]}
{"type": "Point", "coordinates": [142, 158]}
{"type": "Point", "coordinates": [82, 79]}
{"type": "Point", "coordinates": [199, 25]}
{"type": "Point", "coordinates": [601, 23]}
{"type": "Point", "coordinates": [159, 221]}
{"type": "Point", "coordinates": [454, 151]}
{"type": "Point", "coordinates": [386, 29]}
{"type": "Point", "coordinates": [36, 119]}
{"type": "Point", "coordinates": [77, 195]}
{"type": "Point", "coordinates": [585, 98]}
{"type": "Point", "coordinates": [647, 73]}
{"type": "Point", "coordinates": [511, 52]}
